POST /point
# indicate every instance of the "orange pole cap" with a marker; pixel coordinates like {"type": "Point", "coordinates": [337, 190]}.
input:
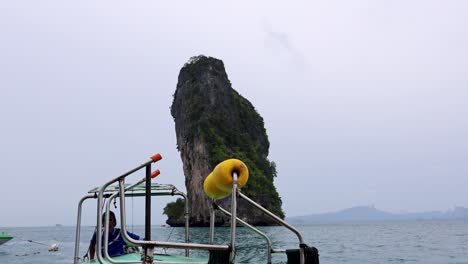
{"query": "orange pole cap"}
{"type": "Point", "coordinates": [155, 174]}
{"type": "Point", "coordinates": [156, 157]}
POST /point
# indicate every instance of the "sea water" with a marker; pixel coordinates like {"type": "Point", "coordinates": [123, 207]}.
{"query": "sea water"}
{"type": "Point", "coordinates": [434, 242]}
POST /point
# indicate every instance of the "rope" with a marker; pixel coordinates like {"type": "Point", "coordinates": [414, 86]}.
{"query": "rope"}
{"type": "Point", "coordinates": [53, 247]}
{"type": "Point", "coordinates": [29, 240]}
{"type": "Point", "coordinates": [168, 237]}
{"type": "Point", "coordinates": [146, 259]}
{"type": "Point", "coordinates": [37, 243]}
{"type": "Point", "coordinates": [170, 234]}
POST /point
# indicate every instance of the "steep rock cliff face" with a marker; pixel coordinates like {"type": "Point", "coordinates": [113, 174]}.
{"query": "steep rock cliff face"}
{"type": "Point", "coordinates": [213, 123]}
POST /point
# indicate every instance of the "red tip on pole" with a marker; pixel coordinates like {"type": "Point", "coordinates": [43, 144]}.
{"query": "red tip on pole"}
{"type": "Point", "coordinates": [155, 173]}
{"type": "Point", "coordinates": [156, 157]}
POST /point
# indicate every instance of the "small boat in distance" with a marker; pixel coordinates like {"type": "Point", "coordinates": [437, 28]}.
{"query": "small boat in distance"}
{"type": "Point", "coordinates": [4, 237]}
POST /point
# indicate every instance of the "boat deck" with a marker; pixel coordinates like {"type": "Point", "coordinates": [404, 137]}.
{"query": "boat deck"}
{"type": "Point", "coordinates": [158, 258]}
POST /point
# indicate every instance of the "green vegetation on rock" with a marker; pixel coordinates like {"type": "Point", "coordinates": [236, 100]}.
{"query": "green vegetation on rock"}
{"type": "Point", "coordinates": [242, 142]}
{"type": "Point", "coordinates": [206, 109]}
{"type": "Point", "coordinates": [175, 212]}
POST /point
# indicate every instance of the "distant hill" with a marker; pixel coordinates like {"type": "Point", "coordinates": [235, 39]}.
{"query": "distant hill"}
{"type": "Point", "coordinates": [371, 214]}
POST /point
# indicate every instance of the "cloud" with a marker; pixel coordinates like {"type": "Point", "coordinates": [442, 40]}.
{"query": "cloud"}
{"type": "Point", "coordinates": [281, 45]}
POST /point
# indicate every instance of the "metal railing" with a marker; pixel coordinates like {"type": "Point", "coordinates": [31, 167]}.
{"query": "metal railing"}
{"type": "Point", "coordinates": [281, 222]}
{"type": "Point", "coordinates": [267, 239]}
{"type": "Point", "coordinates": [148, 244]}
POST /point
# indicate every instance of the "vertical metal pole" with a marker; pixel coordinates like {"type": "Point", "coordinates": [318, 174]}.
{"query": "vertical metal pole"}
{"type": "Point", "coordinates": [78, 229]}
{"type": "Point", "coordinates": [148, 203]}
{"type": "Point", "coordinates": [106, 223]}
{"type": "Point", "coordinates": [232, 256]}
{"type": "Point", "coordinates": [77, 235]}
{"type": "Point", "coordinates": [301, 255]}
{"type": "Point", "coordinates": [148, 249]}
{"type": "Point", "coordinates": [187, 224]}
{"type": "Point", "coordinates": [212, 222]}
{"type": "Point", "coordinates": [98, 251]}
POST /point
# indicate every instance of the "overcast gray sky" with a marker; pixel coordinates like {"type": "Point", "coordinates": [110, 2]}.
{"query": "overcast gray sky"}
{"type": "Point", "coordinates": [365, 102]}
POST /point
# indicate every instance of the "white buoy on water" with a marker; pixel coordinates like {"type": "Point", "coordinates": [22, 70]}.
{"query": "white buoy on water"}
{"type": "Point", "coordinates": [54, 247]}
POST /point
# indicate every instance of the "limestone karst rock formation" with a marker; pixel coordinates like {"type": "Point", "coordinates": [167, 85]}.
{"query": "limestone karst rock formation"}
{"type": "Point", "coordinates": [214, 122]}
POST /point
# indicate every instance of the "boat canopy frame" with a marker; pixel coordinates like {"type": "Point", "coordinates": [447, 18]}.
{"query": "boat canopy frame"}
{"type": "Point", "coordinates": [112, 191]}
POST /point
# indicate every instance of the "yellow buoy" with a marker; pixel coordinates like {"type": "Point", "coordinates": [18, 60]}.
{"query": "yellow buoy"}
{"type": "Point", "coordinates": [211, 190]}
{"type": "Point", "coordinates": [218, 184]}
